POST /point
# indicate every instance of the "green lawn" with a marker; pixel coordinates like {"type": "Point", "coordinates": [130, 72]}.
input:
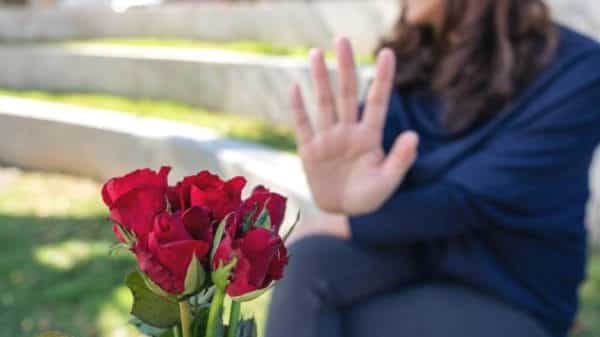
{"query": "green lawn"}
{"type": "Point", "coordinates": [242, 46]}
{"type": "Point", "coordinates": [242, 128]}
{"type": "Point", "coordinates": [56, 272]}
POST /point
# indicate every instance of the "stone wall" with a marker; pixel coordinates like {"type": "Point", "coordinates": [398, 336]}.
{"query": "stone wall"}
{"type": "Point", "coordinates": [249, 85]}
{"type": "Point", "coordinates": [101, 144]}
{"type": "Point", "coordinates": [286, 23]}
{"type": "Point", "coordinates": [313, 23]}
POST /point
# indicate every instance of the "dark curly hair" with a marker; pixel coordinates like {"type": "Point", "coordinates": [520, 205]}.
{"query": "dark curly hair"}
{"type": "Point", "coordinates": [483, 54]}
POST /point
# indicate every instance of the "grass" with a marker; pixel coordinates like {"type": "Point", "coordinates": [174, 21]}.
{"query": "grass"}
{"type": "Point", "coordinates": [55, 271]}
{"type": "Point", "coordinates": [241, 128]}
{"type": "Point", "coordinates": [241, 46]}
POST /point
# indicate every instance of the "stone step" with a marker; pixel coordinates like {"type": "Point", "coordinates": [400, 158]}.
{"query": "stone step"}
{"type": "Point", "coordinates": [247, 84]}
{"type": "Point", "coordinates": [101, 144]}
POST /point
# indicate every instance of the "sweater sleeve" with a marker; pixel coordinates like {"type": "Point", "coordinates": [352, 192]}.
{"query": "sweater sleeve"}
{"type": "Point", "coordinates": [531, 177]}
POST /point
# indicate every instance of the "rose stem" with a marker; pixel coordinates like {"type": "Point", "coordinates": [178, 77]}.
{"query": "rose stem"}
{"type": "Point", "coordinates": [186, 318]}
{"type": "Point", "coordinates": [234, 318]}
{"type": "Point", "coordinates": [214, 313]}
{"type": "Point", "coordinates": [176, 331]}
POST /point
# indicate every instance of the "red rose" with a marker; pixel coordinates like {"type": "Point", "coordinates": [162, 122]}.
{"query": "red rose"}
{"type": "Point", "coordinates": [136, 198]}
{"type": "Point", "coordinates": [275, 204]}
{"type": "Point", "coordinates": [168, 250]}
{"type": "Point", "coordinates": [261, 257]}
{"type": "Point", "coordinates": [208, 191]}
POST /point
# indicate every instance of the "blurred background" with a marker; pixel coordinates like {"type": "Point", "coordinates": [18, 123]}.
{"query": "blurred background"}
{"type": "Point", "coordinates": [90, 89]}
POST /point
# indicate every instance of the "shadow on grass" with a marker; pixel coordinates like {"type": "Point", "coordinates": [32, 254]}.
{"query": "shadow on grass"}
{"type": "Point", "coordinates": [44, 288]}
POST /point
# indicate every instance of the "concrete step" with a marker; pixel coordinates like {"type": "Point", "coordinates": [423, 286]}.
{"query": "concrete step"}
{"type": "Point", "coordinates": [101, 144]}
{"type": "Point", "coordinates": [247, 84]}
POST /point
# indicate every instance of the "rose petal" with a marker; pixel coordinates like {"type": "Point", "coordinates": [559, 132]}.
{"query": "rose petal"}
{"type": "Point", "coordinates": [275, 203]}
{"type": "Point", "coordinates": [117, 187]}
{"type": "Point", "coordinates": [170, 228]}
{"type": "Point", "coordinates": [136, 209]}
{"type": "Point", "coordinates": [198, 223]}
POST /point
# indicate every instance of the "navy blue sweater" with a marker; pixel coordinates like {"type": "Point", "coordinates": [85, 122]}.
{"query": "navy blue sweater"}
{"type": "Point", "coordinates": [501, 208]}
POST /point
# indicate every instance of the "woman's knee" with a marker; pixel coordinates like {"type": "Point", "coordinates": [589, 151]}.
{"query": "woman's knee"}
{"type": "Point", "coordinates": [314, 256]}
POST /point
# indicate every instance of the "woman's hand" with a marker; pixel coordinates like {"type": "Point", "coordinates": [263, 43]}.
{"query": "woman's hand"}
{"type": "Point", "coordinates": [347, 169]}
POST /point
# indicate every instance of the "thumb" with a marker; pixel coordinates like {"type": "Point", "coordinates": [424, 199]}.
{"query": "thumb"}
{"type": "Point", "coordinates": [401, 157]}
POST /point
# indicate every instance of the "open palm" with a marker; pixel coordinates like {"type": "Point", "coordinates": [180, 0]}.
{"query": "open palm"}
{"type": "Point", "coordinates": [346, 167]}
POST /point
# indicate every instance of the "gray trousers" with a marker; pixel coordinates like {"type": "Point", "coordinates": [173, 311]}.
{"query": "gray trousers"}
{"type": "Point", "coordinates": [334, 288]}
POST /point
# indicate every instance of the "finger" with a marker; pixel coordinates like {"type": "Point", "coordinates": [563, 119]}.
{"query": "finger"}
{"type": "Point", "coordinates": [325, 101]}
{"type": "Point", "coordinates": [304, 131]}
{"type": "Point", "coordinates": [348, 83]}
{"type": "Point", "coordinates": [401, 157]}
{"type": "Point", "coordinates": [381, 89]}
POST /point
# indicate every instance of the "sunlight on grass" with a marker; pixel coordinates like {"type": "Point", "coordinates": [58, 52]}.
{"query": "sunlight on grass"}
{"type": "Point", "coordinates": [114, 315]}
{"type": "Point", "coordinates": [251, 47]}
{"type": "Point", "coordinates": [66, 255]}
{"type": "Point", "coordinates": [243, 46]}
{"type": "Point", "coordinates": [240, 46]}
{"type": "Point", "coordinates": [237, 127]}
{"type": "Point", "coordinates": [50, 195]}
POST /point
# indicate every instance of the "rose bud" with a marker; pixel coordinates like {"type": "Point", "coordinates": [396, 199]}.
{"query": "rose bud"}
{"type": "Point", "coordinates": [134, 200]}
{"type": "Point", "coordinates": [171, 257]}
{"type": "Point", "coordinates": [208, 191]}
{"type": "Point", "coordinates": [260, 257]}
{"type": "Point", "coordinates": [251, 240]}
{"type": "Point", "coordinates": [263, 203]}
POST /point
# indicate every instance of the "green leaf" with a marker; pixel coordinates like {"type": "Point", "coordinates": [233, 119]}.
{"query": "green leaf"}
{"type": "Point", "coordinates": [246, 224]}
{"type": "Point", "coordinates": [146, 329]}
{"type": "Point", "coordinates": [218, 236]}
{"type": "Point", "coordinates": [155, 310]}
{"type": "Point", "coordinates": [118, 248]}
{"type": "Point", "coordinates": [247, 328]}
{"type": "Point", "coordinates": [264, 220]}
{"type": "Point", "coordinates": [168, 333]}
{"type": "Point", "coordinates": [127, 235]}
{"type": "Point", "coordinates": [220, 277]}
{"type": "Point", "coordinates": [194, 278]}
{"type": "Point", "coordinates": [252, 295]}
{"type": "Point", "coordinates": [287, 235]}
{"type": "Point", "coordinates": [155, 288]}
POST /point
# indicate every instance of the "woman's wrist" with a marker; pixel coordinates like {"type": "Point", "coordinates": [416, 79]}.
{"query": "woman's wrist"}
{"type": "Point", "coordinates": [338, 225]}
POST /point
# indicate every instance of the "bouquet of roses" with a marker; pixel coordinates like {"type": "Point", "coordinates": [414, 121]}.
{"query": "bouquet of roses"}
{"type": "Point", "coordinates": [196, 243]}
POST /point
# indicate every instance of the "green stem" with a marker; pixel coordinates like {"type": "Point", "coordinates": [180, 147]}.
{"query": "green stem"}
{"type": "Point", "coordinates": [176, 331]}
{"type": "Point", "coordinates": [234, 318]}
{"type": "Point", "coordinates": [214, 314]}
{"type": "Point", "coordinates": [186, 318]}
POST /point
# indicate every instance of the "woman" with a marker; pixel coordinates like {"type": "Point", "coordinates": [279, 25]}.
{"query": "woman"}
{"type": "Point", "coordinates": [481, 233]}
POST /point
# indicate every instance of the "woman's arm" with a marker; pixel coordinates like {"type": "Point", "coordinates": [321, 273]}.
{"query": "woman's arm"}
{"type": "Point", "coordinates": [532, 177]}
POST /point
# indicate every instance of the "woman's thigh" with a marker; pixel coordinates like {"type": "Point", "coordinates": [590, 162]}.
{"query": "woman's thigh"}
{"type": "Point", "coordinates": [324, 276]}
{"type": "Point", "coordinates": [343, 273]}
{"type": "Point", "coordinates": [437, 311]}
